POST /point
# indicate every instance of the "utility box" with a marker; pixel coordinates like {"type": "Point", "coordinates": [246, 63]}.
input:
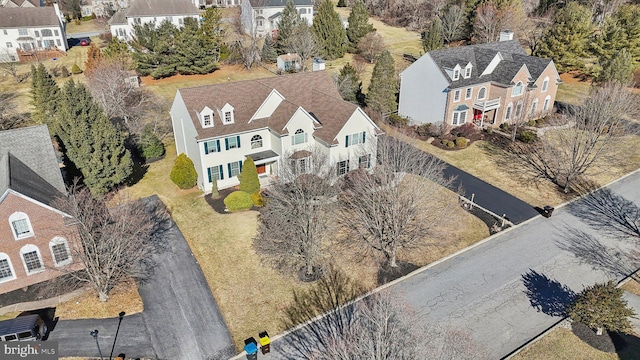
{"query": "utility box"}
{"type": "Point", "coordinates": [265, 342]}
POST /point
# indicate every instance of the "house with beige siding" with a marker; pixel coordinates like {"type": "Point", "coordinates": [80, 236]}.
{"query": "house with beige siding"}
{"type": "Point", "coordinates": [282, 118]}
{"type": "Point", "coordinates": [488, 84]}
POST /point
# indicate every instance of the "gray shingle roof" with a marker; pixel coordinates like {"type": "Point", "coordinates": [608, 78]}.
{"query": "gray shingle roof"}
{"type": "Point", "coordinates": [140, 8]}
{"type": "Point", "coordinates": [278, 3]}
{"type": "Point", "coordinates": [480, 56]}
{"type": "Point", "coordinates": [28, 17]}
{"type": "Point", "coordinates": [119, 18]}
{"type": "Point", "coordinates": [28, 164]}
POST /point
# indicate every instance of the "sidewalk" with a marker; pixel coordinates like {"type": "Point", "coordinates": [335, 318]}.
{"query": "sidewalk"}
{"type": "Point", "coordinates": [40, 304]}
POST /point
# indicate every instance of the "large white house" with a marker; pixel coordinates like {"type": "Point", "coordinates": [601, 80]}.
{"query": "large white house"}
{"type": "Point", "coordinates": [261, 17]}
{"type": "Point", "coordinates": [151, 11]}
{"type": "Point", "coordinates": [26, 31]}
{"type": "Point", "coordinates": [287, 117]}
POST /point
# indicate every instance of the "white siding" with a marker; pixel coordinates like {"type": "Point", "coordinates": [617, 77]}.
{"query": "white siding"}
{"type": "Point", "coordinates": [422, 92]}
{"type": "Point", "coordinates": [131, 21]}
{"type": "Point", "coordinates": [38, 41]}
{"type": "Point", "coordinates": [185, 134]}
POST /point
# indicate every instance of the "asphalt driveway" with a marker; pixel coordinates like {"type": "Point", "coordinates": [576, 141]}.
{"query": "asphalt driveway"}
{"type": "Point", "coordinates": [181, 319]}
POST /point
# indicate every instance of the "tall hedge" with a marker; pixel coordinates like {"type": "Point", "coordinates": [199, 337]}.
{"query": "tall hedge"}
{"type": "Point", "coordinates": [184, 173]}
{"type": "Point", "coordinates": [248, 177]}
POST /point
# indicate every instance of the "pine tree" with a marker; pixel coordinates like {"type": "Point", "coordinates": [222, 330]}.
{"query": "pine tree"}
{"type": "Point", "coordinates": [116, 49]}
{"type": "Point", "coordinates": [381, 95]}
{"type": "Point", "coordinates": [602, 306]}
{"type": "Point", "coordinates": [349, 84]}
{"type": "Point", "coordinates": [628, 16]}
{"type": "Point", "coordinates": [91, 141]}
{"type": "Point", "coordinates": [288, 22]}
{"type": "Point", "coordinates": [329, 32]}
{"type": "Point", "coordinates": [183, 172]}
{"type": "Point", "coordinates": [268, 53]}
{"type": "Point", "coordinates": [432, 38]}
{"type": "Point", "coordinates": [94, 56]}
{"type": "Point", "coordinates": [565, 42]}
{"type": "Point", "coordinates": [358, 23]}
{"type": "Point", "coordinates": [44, 95]}
{"type": "Point", "coordinates": [194, 55]}
{"type": "Point", "coordinates": [619, 68]}
{"type": "Point", "coordinates": [248, 177]}
{"type": "Point", "coordinates": [212, 32]}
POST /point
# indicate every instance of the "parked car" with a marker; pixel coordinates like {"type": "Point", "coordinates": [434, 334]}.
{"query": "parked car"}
{"type": "Point", "coordinates": [28, 327]}
{"type": "Point", "coordinates": [85, 42]}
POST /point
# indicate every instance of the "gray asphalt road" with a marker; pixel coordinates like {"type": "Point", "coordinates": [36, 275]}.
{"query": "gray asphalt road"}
{"type": "Point", "coordinates": [511, 288]}
{"type": "Point", "coordinates": [180, 320]}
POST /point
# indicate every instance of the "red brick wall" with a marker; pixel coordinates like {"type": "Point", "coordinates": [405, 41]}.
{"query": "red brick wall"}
{"type": "Point", "coordinates": [46, 225]}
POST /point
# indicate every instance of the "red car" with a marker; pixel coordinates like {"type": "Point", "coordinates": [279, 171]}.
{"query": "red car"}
{"type": "Point", "coordinates": [85, 42]}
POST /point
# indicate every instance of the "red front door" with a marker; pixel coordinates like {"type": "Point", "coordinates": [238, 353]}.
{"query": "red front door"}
{"type": "Point", "coordinates": [261, 169]}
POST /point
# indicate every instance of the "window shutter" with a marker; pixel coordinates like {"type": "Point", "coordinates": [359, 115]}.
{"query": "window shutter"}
{"type": "Point", "coordinates": [226, 145]}
{"type": "Point", "coordinates": [364, 136]}
{"type": "Point", "coordinates": [206, 151]}
{"type": "Point", "coordinates": [220, 172]}
{"type": "Point", "coordinates": [238, 141]}
{"type": "Point", "coordinates": [240, 163]}
{"type": "Point", "coordinates": [368, 161]}
{"type": "Point", "coordinates": [229, 168]}
{"type": "Point", "coordinates": [209, 174]}
{"type": "Point", "coordinates": [218, 146]}
{"type": "Point", "coordinates": [346, 141]}
{"type": "Point", "coordinates": [347, 165]}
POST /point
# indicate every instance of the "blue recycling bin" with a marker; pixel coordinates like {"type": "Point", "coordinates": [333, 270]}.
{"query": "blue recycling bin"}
{"type": "Point", "coordinates": [251, 348]}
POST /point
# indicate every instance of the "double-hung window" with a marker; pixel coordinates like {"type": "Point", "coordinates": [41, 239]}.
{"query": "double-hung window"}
{"type": "Point", "coordinates": [211, 146]}
{"type": "Point", "coordinates": [456, 95]}
{"type": "Point", "coordinates": [6, 271]}
{"type": "Point", "coordinates": [206, 119]}
{"type": "Point", "coordinates": [459, 117]}
{"type": "Point", "coordinates": [355, 139]}
{"type": "Point", "coordinates": [232, 142]}
{"type": "Point", "coordinates": [343, 167]}
{"type": "Point", "coordinates": [31, 258]}
{"type": "Point", "coordinates": [468, 93]}
{"type": "Point", "coordinates": [20, 225]}
{"type": "Point", "coordinates": [23, 32]}
{"type": "Point", "coordinates": [234, 168]}
{"type": "Point", "coordinates": [364, 161]}
{"type": "Point", "coordinates": [299, 137]}
{"type": "Point", "coordinates": [60, 251]}
{"type": "Point", "coordinates": [215, 173]}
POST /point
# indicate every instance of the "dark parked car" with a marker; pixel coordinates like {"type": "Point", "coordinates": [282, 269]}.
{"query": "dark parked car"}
{"type": "Point", "coordinates": [28, 327]}
{"type": "Point", "coordinates": [85, 42]}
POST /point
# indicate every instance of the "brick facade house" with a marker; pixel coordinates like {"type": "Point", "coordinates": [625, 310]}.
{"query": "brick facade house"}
{"type": "Point", "coordinates": [488, 84]}
{"type": "Point", "coordinates": [35, 237]}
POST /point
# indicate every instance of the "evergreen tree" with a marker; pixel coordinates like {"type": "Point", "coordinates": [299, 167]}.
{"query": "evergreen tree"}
{"type": "Point", "coordinates": [602, 307]}
{"type": "Point", "coordinates": [329, 32]}
{"type": "Point", "coordinates": [194, 55]}
{"type": "Point", "coordinates": [91, 141]}
{"type": "Point", "coordinates": [349, 84]}
{"type": "Point", "coordinates": [44, 95]}
{"type": "Point", "coordinates": [183, 172]}
{"type": "Point", "coordinates": [94, 56]}
{"type": "Point", "coordinates": [381, 95]}
{"type": "Point", "coordinates": [358, 23]}
{"type": "Point", "coordinates": [155, 49]}
{"type": "Point", "coordinates": [269, 53]}
{"type": "Point", "coordinates": [116, 49]}
{"type": "Point", "coordinates": [248, 177]}
{"type": "Point", "coordinates": [212, 32]}
{"type": "Point", "coordinates": [288, 22]}
{"type": "Point", "coordinates": [432, 39]}
{"type": "Point", "coordinates": [620, 31]}
{"type": "Point", "coordinates": [619, 68]}
{"type": "Point", "coordinates": [565, 41]}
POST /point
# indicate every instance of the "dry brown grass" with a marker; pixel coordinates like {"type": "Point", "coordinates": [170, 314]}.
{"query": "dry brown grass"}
{"type": "Point", "coordinates": [9, 315]}
{"type": "Point", "coordinates": [251, 296]}
{"type": "Point", "coordinates": [86, 26]}
{"type": "Point", "coordinates": [87, 305]}
{"type": "Point", "coordinates": [632, 286]}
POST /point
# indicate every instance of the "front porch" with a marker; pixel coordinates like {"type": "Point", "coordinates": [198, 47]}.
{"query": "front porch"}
{"type": "Point", "coordinates": [485, 112]}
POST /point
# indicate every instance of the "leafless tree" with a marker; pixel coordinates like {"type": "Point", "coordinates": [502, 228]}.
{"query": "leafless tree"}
{"type": "Point", "coordinates": [487, 23]}
{"type": "Point", "coordinates": [9, 118]}
{"type": "Point", "coordinates": [371, 46]}
{"type": "Point", "coordinates": [588, 142]}
{"type": "Point", "coordinates": [248, 51]}
{"type": "Point", "coordinates": [113, 244]}
{"type": "Point", "coordinates": [298, 217]}
{"type": "Point", "coordinates": [396, 205]}
{"type": "Point", "coordinates": [109, 86]}
{"type": "Point", "coordinates": [10, 67]}
{"type": "Point", "coordinates": [521, 113]}
{"type": "Point", "coordinates": [453, 21]}
{"type": "Point", "coordinates": [303, 43]}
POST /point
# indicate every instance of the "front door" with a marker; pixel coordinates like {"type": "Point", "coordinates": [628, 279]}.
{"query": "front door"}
{"type": "Point", "coordinates": [261, 169]}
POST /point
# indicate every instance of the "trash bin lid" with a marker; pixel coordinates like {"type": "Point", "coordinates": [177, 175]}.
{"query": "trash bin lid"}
{"type": "Point", "coordinates": [251, 348]}
{"type": "Point", "coordinates": [264, 340]}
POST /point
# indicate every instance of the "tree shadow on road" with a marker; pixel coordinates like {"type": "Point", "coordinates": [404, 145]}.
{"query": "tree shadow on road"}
{"type": "Point", "coordinates": [547, 295]}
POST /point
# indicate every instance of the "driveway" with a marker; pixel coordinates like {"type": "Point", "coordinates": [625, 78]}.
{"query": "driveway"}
{"type": "Point", "coordinates": [489, 196]}
{"type": "Point", "coordinates": [507, 290]}
{"type": "Point", "coordinates": [181, 319]}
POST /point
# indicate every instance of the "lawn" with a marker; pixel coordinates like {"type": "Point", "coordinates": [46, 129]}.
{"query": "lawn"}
{"type": "Point", "coordinates": [562, 344]}
{"type": "Point", "coordinates": [250, 295]}
{"type": "Point", "coordinates": [87, 26]}
{"type": "Point", "coordinates": [87, 305]}
{"type": "Point", "coordinates": [572, 90]}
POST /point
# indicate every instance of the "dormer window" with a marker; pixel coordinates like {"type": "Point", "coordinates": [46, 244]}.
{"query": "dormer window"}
{"type": "Point", "coordinates": [206, 116]}
{"type": "Point", "coordinates": [206, 120]}
{"type": "Point", "coordinates": [467, 71]}
{"type": "Point", "coordinates": [227, 114]}
{"type": "Point", "coordinates": [456, 74]}
{"type": "Point", "coordinates": [227, 117]}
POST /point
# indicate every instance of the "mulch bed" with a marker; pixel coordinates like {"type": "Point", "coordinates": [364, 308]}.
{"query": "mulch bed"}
{"type": "Point", "coordinates": [607, 342]}
{"type": "Point", "coordinates": [387, 274]}
{"type": "Point", "coordinates": [44, 290]}
{"type": "Point", "coordinates": [217, 203]}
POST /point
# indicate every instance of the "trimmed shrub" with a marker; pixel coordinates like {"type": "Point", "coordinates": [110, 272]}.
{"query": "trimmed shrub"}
{"type": "Point", "coordinates": [532, 122]}
{"type": "Point", "coordinates": [462, 142]}
{"type": "Point", "coordinates": [528, 136]}
{"type": "Point", "coordinates": [448, 143]}
{"type": "Point", "coordinates": [257, 199]}
{"type": "Point", "coordinates": [184, 173]}
{"type": "Point", "coordinates": [248, 177]}
{"type": "Point", "coordinates": [150, 146]}
{"type": "Point", "coordinates": [397, 120]}
{"type": "Point", "coordinates": [424, 129]}
{"type": "Point", "coordinates": [75, 69]}
{"type": "Point", "coordinates": [504, 126]}
{"type": "Point", "coordinates": [238, 201]}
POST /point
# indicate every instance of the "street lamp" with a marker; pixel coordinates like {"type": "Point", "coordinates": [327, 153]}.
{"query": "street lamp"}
{"type": "Point", "coordinates": [120, 316]}
{"type": "Point", "coordinates": [94, 333]}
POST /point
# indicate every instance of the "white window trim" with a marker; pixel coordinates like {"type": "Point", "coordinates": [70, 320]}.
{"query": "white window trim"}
{"type": "Point", "coordinates": [483, 93]}
{"type": "Point", "coordinates": [4, 256]}
{"type": "Point", "coordinates": [520, 85]}
{"type": "Point", "coordinates": [545, 84]}
{"type": "Point", "coordinates": [467, 71]}
{"type": "Point", "coordinates": [20, 216]}
{"type": "Point", "coordinates": [534, 106]}
{"type": "Point", "coordinates": [258, 141]}
{"type": "Point", "coordinates": [296, 136]}
{"type": "Point", "coordinates": [456, 95]}
{"type": "Point", "coordinates": [468, 93]}
{"type": "Point", "coordinates": [60, 241]}
{"type": "Point", "coordinates": [27, 249]}
{"type": "Point", "coordinates": [455, 120]}
{"type": "Point", "coordinates": [547, 102]}
{"type": "Point", "coordinates": [508, 114]}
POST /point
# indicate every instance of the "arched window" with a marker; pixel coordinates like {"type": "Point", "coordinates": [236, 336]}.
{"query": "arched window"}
{"type": "Point", "coordinates": [32, 259]}
{"type": "Point", "coordinates": [547, 102]}
{"type": "Point", "coordinates": [507, 114]}
{"type": "Point", "coordinates": [534, 106]}
{"type": "Point", "coordinates": [6, 269]}
{"type": "Point", "coordinates": [256, 141]}
{"type": "Point", "coordinates": [20, 225]}
{"type": "Point", "coordinates": [545, 84]}
{"type": "Point", "coordinates": [482, 93]}
{"type": "Point", "coordinates": [60, 251]}
{"type": "Point", "coordinates": [517, 90]}
{"type": "Point", "coordinates": [299, 137]}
